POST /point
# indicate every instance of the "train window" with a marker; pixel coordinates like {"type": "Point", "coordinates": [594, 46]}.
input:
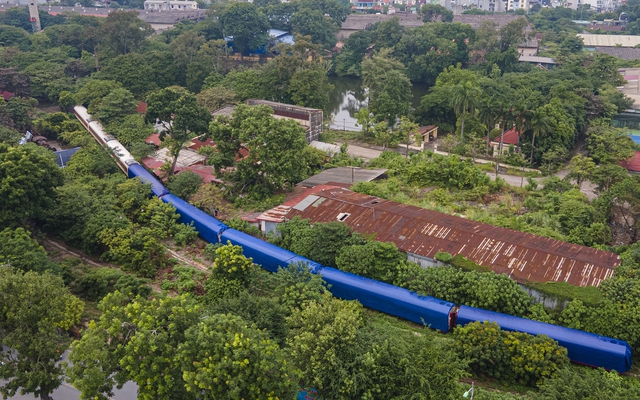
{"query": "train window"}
{"type": "Point", "coordinates": [343, 216]}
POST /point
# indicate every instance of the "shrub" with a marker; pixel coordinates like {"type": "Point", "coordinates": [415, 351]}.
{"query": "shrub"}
{"type": "Point", "coordinates": [509, 356]}
{"type": "Point", "coordinates": [184, 234]}
{"type": "Point", "coordinates": [443, 256]}
{"type": "Point", "coordinates": [184, 184]}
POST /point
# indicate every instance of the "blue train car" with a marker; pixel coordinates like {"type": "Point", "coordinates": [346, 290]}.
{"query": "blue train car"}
{"type": "Point", "coordinates": [208, 227]}
{"type": "Point", "coordinates": [138, 171]}
{"type": "Point", "coordinates": [270, 257]}
{"type": "Point", "coordinates": [313, 266]}
{"type": "Point", "coordinates": [583, 347]}
{"type": "Point", "coordinates": [389, 299]}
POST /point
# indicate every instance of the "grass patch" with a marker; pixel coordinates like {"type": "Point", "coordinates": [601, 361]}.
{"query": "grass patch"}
{"type": "Point", "coordinates": [563, 291]}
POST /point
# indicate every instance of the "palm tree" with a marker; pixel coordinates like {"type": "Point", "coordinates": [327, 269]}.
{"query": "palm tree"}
{"type": "Point", "coordinates": [539, 124]}
{"type": "Point", "coordinates": [464, 98]}
{"type": "Point", "coordinates": [489, 113]}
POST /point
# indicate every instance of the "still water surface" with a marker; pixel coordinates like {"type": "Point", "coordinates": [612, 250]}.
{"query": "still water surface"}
{"type": "Point", "coordinates": [348, 96]}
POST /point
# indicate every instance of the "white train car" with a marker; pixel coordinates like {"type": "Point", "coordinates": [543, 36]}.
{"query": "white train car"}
{"type": "Point", "coordinates": [122, 156]}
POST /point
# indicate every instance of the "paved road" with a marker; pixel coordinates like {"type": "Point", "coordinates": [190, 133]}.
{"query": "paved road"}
{"type": "Point", "coordinates": [363, 152]}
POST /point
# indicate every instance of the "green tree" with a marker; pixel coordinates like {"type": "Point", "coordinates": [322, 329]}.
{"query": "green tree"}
{"type": "Point", "coordinates": [407, 132]}
{"type": "Point", "coordinates": [35, 307]}
{"type": "Point", "coordinates": [389, 88]}
{"type": "Point", "coordinates": [28, 177]}
{"type": "Point", "coordinates": [435, 12]}
{"type": "Point", "coordinates": [181, 117]}
{"type": "Point", "coordinates": [623, 199]}
{"type": "Point", "coordinates": [333, 365]}
{"type": "Point", "coordinates": [185, 184]}
{"type": "Point", "coordinates": [229, 273]}
{"type": "Point", "coordinates": [18, 113]}
{"type": "Point", "coordinates": [133, 72]}
{"type": "Point", "coordinates": [585, 383]}
{"type": "Point", "coordinates": [246, 24]}
{"type": "Point", "coordinates": [19, 250]}
{"type": "Point", "coordinates": [216, 97]}
{"type": "Point", "coordinates": [224, 358]}
{"type": "Point", "coordinates": [132, 130]}
{"type": "Point", "coordinates": [539, 125]}
{"type": "Point", "coordinates": [376, 260]}
{"type": "Point", "coordinates": [124, 32]}
{"type": "Point", "coordinates": [134, 340]}
{"type": "Point", "coordinates": [365, 119]}
{"type": "Point", "coordinates": [312, 22]}
{"type": "Point", "coordinates": [581, 168]}
{"type": "Point", "coordinates": [382, 134]}
{"type": "Point", "coordinates": [464, 98]}
{"type": "Point", "coordinates": [310, 88]}
{"type": "Point", "coordinates": [92, 91]}
{"type": "Point", "coordinates": [247, 84]}
{"type": "Point", "coordinates": [66, 101]}
{"type": "Point", "coordinates": [607, 145]}
{"type": "Point", "coordinates": [509, 356]}
{"type": "Point", "coordinates": [274, 148]}
{"type": "Point", "coordinates": [135, 248]}
{"type": "Point", "coordinates": [115, 106]}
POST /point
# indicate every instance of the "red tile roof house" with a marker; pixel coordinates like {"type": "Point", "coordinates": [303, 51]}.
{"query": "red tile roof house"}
{"type": "Point", "coordinates": [422, 233]}
{"type": "Point", "coordinates": [510, 139]}
{"type": "Point", "coordinates": [632, 164]}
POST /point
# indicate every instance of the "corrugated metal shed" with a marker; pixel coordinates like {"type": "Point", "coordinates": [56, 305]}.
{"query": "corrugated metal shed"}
{"type": "Point", "coordinates": [609, 40]}
{"type": "Point", "coordinates": [523, 256]}
{"type": "Point", "coordinates": [343, 175]}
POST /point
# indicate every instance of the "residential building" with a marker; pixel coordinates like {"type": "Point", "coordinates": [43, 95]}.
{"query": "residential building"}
{"type": "Point", "coordinates": [170, 5]}
{"type": "Point", "coordinates": [507, 140]}
{"type": "Point", "coordinates": [422, 233]}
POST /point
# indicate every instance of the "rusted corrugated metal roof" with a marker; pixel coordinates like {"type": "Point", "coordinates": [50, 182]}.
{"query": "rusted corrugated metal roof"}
{"type": "Point", "coordinates": [523, 256]}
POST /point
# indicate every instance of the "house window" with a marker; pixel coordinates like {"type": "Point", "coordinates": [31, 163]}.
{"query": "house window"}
{"type": "Point", "coordinates": [343, 216]}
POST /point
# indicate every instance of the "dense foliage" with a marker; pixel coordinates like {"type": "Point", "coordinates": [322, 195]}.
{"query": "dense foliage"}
{"type": "Point", "coordinates": [513, 356]}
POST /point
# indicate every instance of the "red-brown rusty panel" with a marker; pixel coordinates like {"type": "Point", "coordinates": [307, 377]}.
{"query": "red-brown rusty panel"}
{"type": "Point", "coordinates": [522, 256]}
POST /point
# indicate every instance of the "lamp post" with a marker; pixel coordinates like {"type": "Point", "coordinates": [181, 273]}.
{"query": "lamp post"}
{"type": "Point", "coordinates": [469, 392]}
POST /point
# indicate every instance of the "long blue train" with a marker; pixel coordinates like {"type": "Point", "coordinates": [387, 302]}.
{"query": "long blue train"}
{"type": "Point", "coordinates": [583, 347]}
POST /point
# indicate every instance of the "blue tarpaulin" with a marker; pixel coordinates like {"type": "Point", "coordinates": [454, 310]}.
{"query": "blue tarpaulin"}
{"type": "Point", "coordinates": [63, 156]}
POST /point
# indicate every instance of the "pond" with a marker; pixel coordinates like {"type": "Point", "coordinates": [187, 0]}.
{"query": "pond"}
{"type": "Point", "coordinates": [348, 96]}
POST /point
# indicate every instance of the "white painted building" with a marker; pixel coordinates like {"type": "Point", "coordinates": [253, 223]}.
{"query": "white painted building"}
{"type": "Point", "coordinates": [170, 5]}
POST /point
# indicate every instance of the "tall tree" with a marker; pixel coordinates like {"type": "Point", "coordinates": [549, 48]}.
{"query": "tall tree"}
{"type": "Point", "coordinates": [224, 358]}
{"type": "Point", "coordinates": [35, 307]}
{"type": "Point", "coordinates": [310, 88]}
{"type": "Point", "coordinates": [389, 88]}
{"type": "Point", "coordinates": [539, 125]}
{"type": "Point", "coordinates": [274, 148]}
{"type": "Point", "coordinates": [181, 118]}
{"type": "Point", "coordinates": [115, 106]}
{"type": "Point", "coordinates": [435, 12]}
{"type": "Point", "coordinates": [19, 250]}
{"type": "Point", "coordinates": [489, 114]}
{"type": "Point", "coordinates": [334, 365]}
{"type": "Point", "coordinates": [124, 32]}
{"type": "Point", "coordinates": [28, 178]}
{"type": "Point", "coordinates": [246, 24]}
{"type": "Point", "coordinates": [580, 168]}
{"type": "Point", "coordinates": [314, 23]}
{"type": "Point", "coordinates": [464, 98]}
